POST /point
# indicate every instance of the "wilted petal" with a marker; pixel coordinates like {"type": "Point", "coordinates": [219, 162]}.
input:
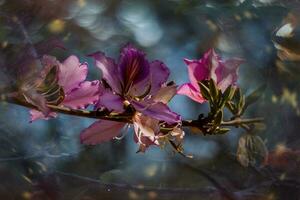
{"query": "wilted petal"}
{"type": "Point", "coordinates": [157, 110]}
{"type": "Point", "coordinates": [165, 94]}
{"type": "Point", "coordinates": [110, 72]}
{"type": "Point", "coordinates": [148, 126]}
{"type": "Point", "coordinates": [36, 99]}
{"type": "Point", "coordinates": [101, 131]}
{"type": "Point", "coordinates": [111, 101]}
{"type": "Point", "coordinates": [87, 93]}
{"type": "Point", "coordinates": [134, 67]}
{"type": "Point", "coordinates": [159, 75]}
{"type": "Point", "coordinates": [35, 115]}
{"type": "Point", "coordinates": [72, 73]}
{"type": "Point", "coordinates": [189, 90]}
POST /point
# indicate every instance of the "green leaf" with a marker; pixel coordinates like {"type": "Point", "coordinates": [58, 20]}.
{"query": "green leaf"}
{"type": "Point", "coordinates": [227, 95]}
{"type": "Point", "coordinates": [205, 91]}
{"type": "Point", "coordinates": [218, 118]}
{"type": "Point", "coordinates": [214, 91]}
{"type": "Point", "coordinates": [222, 131]}
{"type": "Point", "coordinates": [254, 96]}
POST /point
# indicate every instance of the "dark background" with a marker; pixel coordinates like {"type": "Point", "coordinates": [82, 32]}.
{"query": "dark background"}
{"type": "Point", "coordinates": [45, 160]}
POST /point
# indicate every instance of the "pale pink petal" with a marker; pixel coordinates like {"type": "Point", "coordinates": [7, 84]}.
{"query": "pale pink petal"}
{"type": "Point", "coordinates": [229, 73]}
{"type": "Point", "coordinates": [72, 73]}
{"type": "Point", "coordinates": [165, 94]}
{"type": "Point", "coordinates": [148, 126]}
{"type": "Point", "coordinates": [188, 89]}
{"type": "Point", "coordinates": [101, 131]}
{"type": "Point", "coordinates": [35, 115]}
{"type": "Point", "coordinates": [87, 93]}
{"type": "Point", "coordinates": [110, 101]}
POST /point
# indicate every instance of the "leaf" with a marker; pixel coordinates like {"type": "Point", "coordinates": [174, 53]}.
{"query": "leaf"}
{"type": "Point", "coordinates": [214, 92]}
{"type": "Point", "coordinates": [227, 95]}
{"type": "Point", "coordinates": [205, 91]}
{"type": "Point", "coordinates": [254, 96]}
{"type": "Point", "coordinates": [251, 150]}
{"type": "Point", "coordinates": [222, 131]}
{"type": "Point", "coordinates": [219, 117]}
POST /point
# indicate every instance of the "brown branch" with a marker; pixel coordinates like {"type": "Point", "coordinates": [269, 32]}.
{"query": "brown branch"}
{"type": "Point", "coordinates": [238, 122]}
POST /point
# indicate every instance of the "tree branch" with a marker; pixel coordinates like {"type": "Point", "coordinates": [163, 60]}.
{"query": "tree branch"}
{"type": "Point", "coordinates": [123, 117]}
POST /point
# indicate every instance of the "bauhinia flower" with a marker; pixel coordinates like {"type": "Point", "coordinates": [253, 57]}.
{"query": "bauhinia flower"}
{"type": "Point", "coordinates": [132, 82]}
{"type": "Point", "coordinates": [211, 66]}
{"type": "Point", "coordinates": [63, 84]}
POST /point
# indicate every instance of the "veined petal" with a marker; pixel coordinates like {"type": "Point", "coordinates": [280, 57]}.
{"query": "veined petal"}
{"type": "Point", "coordinates": [134, 67]}
{"type": "Point", "coordinates": [35, 115]}
{"type": "Point", "coordinates": [72, 73]}
{"type": "Point", "coordinates": [101, 131]}
{"type": "Point", "coordinates": [111, 101]}
{"type": "Point", "coordinates": [157, 110]}
{"type": "Point", "coordinates": [159, 75]}
{"type": "Point", "coordinates": [188, 89]}
{"type": "Point", "coordinates": [110, 72]}
{"type": "Point", "coordinates": [87, 93]}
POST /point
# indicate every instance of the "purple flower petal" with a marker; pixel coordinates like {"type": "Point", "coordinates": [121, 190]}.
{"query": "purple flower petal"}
{"type": "Point", "coordinates": [188, 89]}
{"type": "Point", "coordinates": [110, 101]}
{"type": "Point", "coordinates": [87, 93]}
{"type": "Point", "coordinates": [109, 70]}
{"type": "Point", "coordinates": [72, 73]}
{"type": "Point", "coordinates": [101, 131]}
{"type": "Point", "coordinates": [134, 68]}
{"type": "Point", "coordinates": [159, 75]}
{"type": "Point", "coordinates": [35, 115]}
{"type": "Point", "coordinates": [157, 110]}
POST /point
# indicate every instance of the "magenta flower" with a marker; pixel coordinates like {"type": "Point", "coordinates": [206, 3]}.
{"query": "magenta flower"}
{"type": "Point", "coordinates": [211, 66]}
{"type": "Point", "coordinates": [78, 93]}
{"type": "Point", "coordinates": [132, 81]}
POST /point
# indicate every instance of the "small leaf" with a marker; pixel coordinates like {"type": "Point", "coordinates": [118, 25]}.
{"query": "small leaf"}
{"type": "Point", "coordinates": [205, 91]}
{"type": "Point", "coordinates": [214, 92]}
{"type": "Point", "coordinates": [254, 96]}
{"type": "Point", "coordinates": [241, 104]}
{"type": "Point", "coordinates": [222, 131]}
{"type": "Point", "coordinates": [219, 117]}
{"type": "Point", "coordinates": [227, 95]}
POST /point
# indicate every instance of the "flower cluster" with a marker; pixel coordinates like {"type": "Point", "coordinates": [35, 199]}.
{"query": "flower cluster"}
{"type": "Point", "coordinates": [131, 86]}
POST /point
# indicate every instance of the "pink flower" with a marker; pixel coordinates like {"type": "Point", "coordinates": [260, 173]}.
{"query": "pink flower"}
{"type": "Point", "coordinates": [142, 85]}
{"type": "Point", "coordinates": [211, 66]}
{"type": "Point", "coordinates": [71, 75]}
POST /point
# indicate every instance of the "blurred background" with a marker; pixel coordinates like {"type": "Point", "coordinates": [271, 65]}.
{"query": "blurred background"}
{"type": "Point", "coordinates": [45, 160]}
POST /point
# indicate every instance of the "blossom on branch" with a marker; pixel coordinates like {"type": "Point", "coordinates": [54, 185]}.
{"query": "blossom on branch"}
{"type": "Point", "coordinates": [64, 84]}
{"type": "Point", "coordinates": [133, 83]}
{"type": "Point", "coordinates": [210, 66]}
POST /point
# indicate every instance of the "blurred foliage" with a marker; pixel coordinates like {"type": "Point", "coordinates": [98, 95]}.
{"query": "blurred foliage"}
{"type": "Point", "coordinates": [44, 160]}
